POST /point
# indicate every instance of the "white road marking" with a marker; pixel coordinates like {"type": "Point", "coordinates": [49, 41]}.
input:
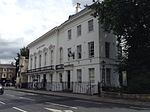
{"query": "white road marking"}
{"type": "Point", "coordinates": [2, 102]}
{"type": "Point", "coordinates": [19, 109]}
{"type": "Point", "coordinates": [55, 104]}
{"type": "Point", "coordinates": [27, 98]}
{"type": "Point", "coordinates": [139, 108]}
{"type": "Point", "coordinates": [56, 110]}
{"type": "Point", "coordinates": [10, 95]}
{"type": "Point", "coordinates": [88, 102]}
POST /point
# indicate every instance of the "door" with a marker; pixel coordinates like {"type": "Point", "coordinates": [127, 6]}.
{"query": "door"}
{"type": "Point", "coordinates": [68, 79]}
{"type": "Point", "coordinates": [44, 81]}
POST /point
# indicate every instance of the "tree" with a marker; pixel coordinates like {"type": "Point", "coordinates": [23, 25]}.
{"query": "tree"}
{"type": "Point", "coordinates": [129, 20]}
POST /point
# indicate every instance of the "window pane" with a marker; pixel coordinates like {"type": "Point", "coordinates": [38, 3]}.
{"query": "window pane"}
{"type": "Point", "coordinates": [90, 25]}
{"type": "Point", "coordinates": [107, 49]}
{"type": "Point", "coordinates": [91, 49]}
{"type": "Point", "coordinates": [69, 34]}
{"type": "Point", "coordinates": [79, 75]}
{"type": "Point", "coordinates": [79, 30]}
{"type": "Point", "coordinates": [79, 51]}
{"type": "Point", "coordinates": [92, 75]}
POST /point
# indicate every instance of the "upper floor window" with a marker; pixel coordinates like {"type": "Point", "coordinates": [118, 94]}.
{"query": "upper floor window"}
{"type": "Point", "coordinates": [35, 61]}
{"type": "Point", "coordinates": [107, 49]}
{"type": "Point", "coordinates": [61, 55]}
{"type": "Point", "coordinates": [51, 58]}
{"type": "Point", "coordinates": [69, 34]}
{"type": "Point", "coordinates": [45, 60]}
{"type": "Point", "coordinates": [69, 53]}
{"type": "Point", "coordinates": [90, 25]}
{"type": "Point", "coordinates": [40, 59]}
{"type": "Point", "coordinates": [79, 30]}
{"type": "Point", "coordinates": [31, 63]}
{"type": "Point", "coordinates": [91, 49]}
{"type": "Point", "coordinates": [79, 52]}
{"type": "Point", "coordinates": [79, 75]}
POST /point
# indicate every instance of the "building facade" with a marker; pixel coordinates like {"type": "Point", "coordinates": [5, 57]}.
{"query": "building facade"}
{"type": "Point", "coordinates": [22, 78]}
{"type": "Point", "coordinates": [74, 56]}
{"type": "Point", "coordinates": [7, 73]}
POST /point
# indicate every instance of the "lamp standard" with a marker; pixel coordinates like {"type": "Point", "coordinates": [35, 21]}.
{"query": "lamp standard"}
{"type": "Point", "coordinates": [103, 72]}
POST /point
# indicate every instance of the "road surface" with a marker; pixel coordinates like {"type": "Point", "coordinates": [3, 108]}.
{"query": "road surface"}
{"type": "Point", "coordinates": [14, 101]}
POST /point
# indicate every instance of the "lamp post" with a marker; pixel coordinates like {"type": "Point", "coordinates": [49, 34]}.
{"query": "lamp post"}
{"type": "Point", "coordinates": [103, 72]}
{"type": "Point", "coordinates": [102, 83]}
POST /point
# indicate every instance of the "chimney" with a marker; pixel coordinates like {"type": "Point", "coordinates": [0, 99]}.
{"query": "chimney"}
{"type": "Point", "coordinates": [78, 8]}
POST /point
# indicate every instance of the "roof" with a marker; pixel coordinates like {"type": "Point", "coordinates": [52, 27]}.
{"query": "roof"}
{"type": "Point", "coordinates": [55, 29]}
{"type": "Point", "coordinates": [7, 66]}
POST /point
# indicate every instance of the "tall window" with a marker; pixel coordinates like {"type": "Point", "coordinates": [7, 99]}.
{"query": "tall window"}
{"type": "Point", "coordinates": [60, 77]}
{"type": "Point", "coordinates": [79, 30]}
{"type": "Point", "coordinates": [69, 53]}
{"type": "Point", "coordinates": [69, 34]}
{"type": "Point", "coordinates": [91, 49]}
{"type": "Point", "coordinates": [108, 76]}
{"type": "Point", "coordinates": [107, 49]}
{"type": "Point", "coordinates": [79, 52]}
{"type": "Point", "coordinates": [79, 75]}
{"type": "Point", "coordinates": [45, 58]}
{"type": "Point", "coordinates": [92, 75]}
{"type": "Point", "coordinates": [40, 59]}
{"type": "Point", "coordinates": [35, 59]}
{"type": "Point", "coordinates": [90, 25]}
{"type": "Point", "coordinates": [31, 63]}
{"type": "Point", "coordinates": [52, 54]}
{"type": "Point", "coordinates": [61, 55]}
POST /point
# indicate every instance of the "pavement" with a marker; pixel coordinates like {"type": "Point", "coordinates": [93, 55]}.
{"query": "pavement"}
{"type": "Point", "coordinates": [84, 97]}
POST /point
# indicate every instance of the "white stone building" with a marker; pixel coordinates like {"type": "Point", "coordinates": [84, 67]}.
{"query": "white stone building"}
{"type": "Point", "coordinates": [73, 56]}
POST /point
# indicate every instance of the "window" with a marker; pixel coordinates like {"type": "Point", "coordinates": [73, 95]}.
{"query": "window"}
{"type": "Point", "coordinates": [92, 75]}
{"type": "Point", "coordinates": [79, 52]}
{"type": "Point", "coordinates": [79, 75]}
{"type": "Point", "coordinates": [51, 60]}
{"type": "Point", "coordinates": [69, 53]}
{"type": "Point", "coordinates": [35, 62]}
{"type": "Point", "coordinates": [79, 30]}
{"type": "Point", "coordinates": [107, 49]}
{"type": "Point", "coordinates": [108, 76]}
{"type": "Point", "coordinates": [60, 77]}
{"type": "Point", "coordinates": [61, 55]}
{"type": "Point", "coordinates": [90, 25]}
{"type": "Point", "coordinates": [91, 49]}
{"type": "Point", "coordinates": [69, 34]}
{"type": "Point", "coordinates": [40, 59]}
{"type": "Point", "coordinates": [45, 58]}
{"type": "Point", "coordinates": [31, 64]}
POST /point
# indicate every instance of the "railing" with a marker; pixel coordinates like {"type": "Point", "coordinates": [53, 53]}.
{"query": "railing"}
{"type": "Point", "coordinates": [75, 87]}
{"type": "Point", "coordinates": [41, 69]}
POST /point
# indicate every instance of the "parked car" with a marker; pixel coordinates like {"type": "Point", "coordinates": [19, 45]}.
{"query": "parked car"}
{"type": "Point", "coordinates": [1, 89]}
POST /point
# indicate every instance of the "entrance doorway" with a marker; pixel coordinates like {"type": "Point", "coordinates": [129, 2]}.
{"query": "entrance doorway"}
{"type": "Point", "coordinates": [44, 81]}
{"type": "Point", "coordinates": [68, 79]}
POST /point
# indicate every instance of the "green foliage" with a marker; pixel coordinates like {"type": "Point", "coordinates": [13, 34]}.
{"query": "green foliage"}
{"type": "Point", "coordinates": [129, 20]}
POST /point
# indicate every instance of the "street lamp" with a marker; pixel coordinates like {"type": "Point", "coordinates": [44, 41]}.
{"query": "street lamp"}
{"type": "Point", "coordinates": [103, 72]}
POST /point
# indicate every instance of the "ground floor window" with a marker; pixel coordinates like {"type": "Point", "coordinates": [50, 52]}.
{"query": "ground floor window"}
{"type": "Point", "coordinates": [92, 75]}
{"type": "Point", "coordinates": [79, 75]}
{"type": "Point", "coordinates": [108, 76]}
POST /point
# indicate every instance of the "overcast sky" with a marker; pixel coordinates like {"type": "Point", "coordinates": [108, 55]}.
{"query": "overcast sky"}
{"type": "Point", "coordinates": [22, 21]}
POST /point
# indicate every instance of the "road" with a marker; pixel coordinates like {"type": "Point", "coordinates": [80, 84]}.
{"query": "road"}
{"type": "Point", "coordinates": [13, 101]}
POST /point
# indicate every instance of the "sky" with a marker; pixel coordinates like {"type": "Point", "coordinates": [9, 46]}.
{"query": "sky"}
{"type": "Point", "coordinates": [23, 21]}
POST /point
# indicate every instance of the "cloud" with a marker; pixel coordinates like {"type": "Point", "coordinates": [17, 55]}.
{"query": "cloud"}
{"type": "Point", "coordinates": [9, 49]}
{"type": "Point", "coordinates": [23, 21]}
{"type": "Point", "coordinates": [82, 2]}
